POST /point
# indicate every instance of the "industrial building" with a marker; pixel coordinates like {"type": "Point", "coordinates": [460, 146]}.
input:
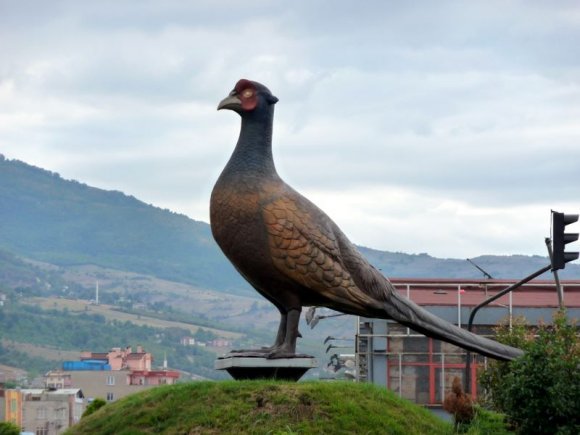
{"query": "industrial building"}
{"type": "Point", "coordinates": [422, 369]}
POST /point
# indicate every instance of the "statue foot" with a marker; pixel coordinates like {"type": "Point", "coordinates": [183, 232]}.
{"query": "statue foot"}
{"type": "Point", "coordinates": [268, 353]}
{"type": "Point", "coordinates": [261, 350]}
{"type": "Point", "coordinates": [284, 352]}
{"type": "Point", "coordinates": [280, 355]}
{"type": "Point", "coordinates": [246, 353]}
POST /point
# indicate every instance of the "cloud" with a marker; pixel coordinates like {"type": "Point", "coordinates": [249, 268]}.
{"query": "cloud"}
{"type": "Point", "coordinates": [455, 115]}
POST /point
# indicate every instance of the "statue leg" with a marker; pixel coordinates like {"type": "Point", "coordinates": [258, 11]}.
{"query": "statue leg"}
{"type": "Point", "coordinates": [280, 336]}
{"type": "Point", "coordinates": [287, 348]}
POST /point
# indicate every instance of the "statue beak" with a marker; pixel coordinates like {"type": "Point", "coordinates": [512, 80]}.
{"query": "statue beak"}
{"type": "Point", "coordinates": [231, 102]}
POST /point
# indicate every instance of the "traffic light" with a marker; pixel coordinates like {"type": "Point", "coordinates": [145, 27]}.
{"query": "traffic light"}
{"type": "Point", "coordinates": [560, 239]}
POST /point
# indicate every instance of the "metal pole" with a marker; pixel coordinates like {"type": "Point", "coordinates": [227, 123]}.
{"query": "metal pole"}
{"type": "Point", "coordinates": [483, 304]}
{"type": "Point", "coordinates": [511, 309]}
{"type": "Point", "coordinates": [485, 274]}
{"type": "Point", "coordinates": [442, 377]}
{"type": "Point", "coordinates": [409, 298]}
{"type": "Point", "coordinates": [459, 306]}
{"type": "Point", "coordinates": [400, 375]}
{"type": "Point", "coordinates": [556, 278]}
{"type": "Point", "coordinates": [357, 349]}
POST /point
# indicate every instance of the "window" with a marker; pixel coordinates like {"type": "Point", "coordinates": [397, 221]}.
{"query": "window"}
{"type": "Point", "coordinates": [78, 411]}
{"type": "Point", "coordinates": [110, 380]}
{"type": "Point", "coordinates": [13, 405]}
{"type": "Point", "coordinates": [61, 414]}
{"type": "Point", "coordinates": [110, 397]}
{"type": "Point", "coordinates": [41, 431]}
{"type": "Point", "coordinates": [41, 413]}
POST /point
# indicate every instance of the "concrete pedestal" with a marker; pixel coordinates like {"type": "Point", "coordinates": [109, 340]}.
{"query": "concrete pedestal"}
{"type": "Point", "coordinates": [245, 367]}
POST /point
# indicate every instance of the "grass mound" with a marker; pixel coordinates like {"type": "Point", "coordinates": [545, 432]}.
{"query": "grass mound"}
{"type": "Point", "coordinates": [262, 407]}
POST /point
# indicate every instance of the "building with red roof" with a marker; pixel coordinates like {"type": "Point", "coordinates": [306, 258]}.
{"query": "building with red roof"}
{"type": "Point", "coordinates": [422, 369]}
{"type": "Point", "coordinates": [111, 375]}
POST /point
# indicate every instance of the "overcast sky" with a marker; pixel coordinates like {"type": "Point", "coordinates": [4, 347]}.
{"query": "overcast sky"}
{"type": "Point", "coordinates": [450, 128]}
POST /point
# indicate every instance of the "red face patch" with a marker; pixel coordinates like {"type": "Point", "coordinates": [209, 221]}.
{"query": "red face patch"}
{"type": "Point", "coordinates": [247, 93]}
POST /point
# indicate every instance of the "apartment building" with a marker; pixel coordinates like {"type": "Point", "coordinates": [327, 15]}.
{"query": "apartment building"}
{"type": "Point", "coordinates": [43, 412]}
{"type": "Point", "coordinates": [111, 375]}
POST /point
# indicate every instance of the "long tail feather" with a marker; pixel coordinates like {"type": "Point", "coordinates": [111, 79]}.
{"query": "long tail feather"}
{"type": "Point", "coordinates": [417, 318]}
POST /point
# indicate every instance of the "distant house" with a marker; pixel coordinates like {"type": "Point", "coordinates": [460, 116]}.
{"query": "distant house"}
{"type": "Point", "coordinates": [57, 379]}
{"type": "Point", "coordinates": [44, 411]}
{"type": "Point", "coordinates": [120, 359]}
{"type": "Point", "coordinates": [220, 342]}
{"type": "Point", "coordinates": [12, 406]}
{"type": "Point", "coordinates": [153, 377]}
{"type": "Point", "coordinates": [110, 375]}
{"type": "Point", "coordinates": [109, 385]}
{"type": "Point", "coordinates": [187, 341]}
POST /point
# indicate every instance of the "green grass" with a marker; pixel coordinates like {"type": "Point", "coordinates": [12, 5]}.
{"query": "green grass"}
{"type": "Point", "coordinates": [262, 407]}
{"type": "Point", "coordinates": [486, 423]}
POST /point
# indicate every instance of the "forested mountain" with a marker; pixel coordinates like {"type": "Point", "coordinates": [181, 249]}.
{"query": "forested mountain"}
{"type": "Point", "coordinates": [47, 218]}
{"type": "Point", "coordinates": [62, 222]}
{"type": "Point", "coordinates": [396, 264]}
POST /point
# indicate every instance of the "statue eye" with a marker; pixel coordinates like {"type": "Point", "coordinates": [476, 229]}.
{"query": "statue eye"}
{"type": "Point", "coordinates": [247, 93]}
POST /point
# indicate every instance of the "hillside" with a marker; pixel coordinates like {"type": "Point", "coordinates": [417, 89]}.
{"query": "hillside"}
{"type": "Point", "coordinates": [262, 407]}
{"type": "Point", "coordinates": [62, 222]}
{"type": "Point", "coordinates": [65, 222]}
{"type": "Point", "coordinates": [38, 339]}
{"type": "Point", "coordinates": [396, 264]}
{"type": "Point", "coordinates": [48, 313]}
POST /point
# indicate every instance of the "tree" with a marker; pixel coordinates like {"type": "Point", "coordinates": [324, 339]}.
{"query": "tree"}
{"type": "Point", "coordinates": [9, 428]}
{"type": "Point", "coordinates": [540, 391]}
{"type": "Point", "coordinates": [204, 335]}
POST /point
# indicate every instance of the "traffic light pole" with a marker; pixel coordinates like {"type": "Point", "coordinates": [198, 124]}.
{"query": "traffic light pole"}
{"type": "Point", "coordinates": [558, 259]}
{"type": "Point", "coordinates": [483, 304]}
{"type": "Point", "coordinates": [555, 272]}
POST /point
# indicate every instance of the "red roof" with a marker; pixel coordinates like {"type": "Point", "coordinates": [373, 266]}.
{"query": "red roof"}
{"type": "Point", "coordinates": [135, 355]}
{"type": "Point", "coordinates": [156, 373]}
{"type": "Point", "coordinates": [446, 292]}
{"type": "Point", "coordinates": [94, 355]}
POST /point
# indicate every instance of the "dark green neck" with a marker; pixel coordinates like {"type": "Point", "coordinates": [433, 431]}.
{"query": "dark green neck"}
{"type": "Point", "coordinates": [253, 151]}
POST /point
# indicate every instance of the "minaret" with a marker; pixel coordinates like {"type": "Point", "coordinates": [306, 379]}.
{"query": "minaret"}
{"type": "Point", "coordinates": [97, 293]}
{"type": "Point", "coordinates": [165, 361]}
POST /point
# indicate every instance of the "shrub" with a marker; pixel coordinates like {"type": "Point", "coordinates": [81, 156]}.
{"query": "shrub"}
{"type": "Point", "coordinates": [540, 391]}
{"type": "Point", "coordinates": [95, 405]}
{"type": "Point", "coordinates": [9, 428]}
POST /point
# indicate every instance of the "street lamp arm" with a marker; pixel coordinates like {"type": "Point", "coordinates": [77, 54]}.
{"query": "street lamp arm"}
{"type": "Point", "coordinates": [483, 304]}
{"type": "Point", "coordinates": [503, 292]}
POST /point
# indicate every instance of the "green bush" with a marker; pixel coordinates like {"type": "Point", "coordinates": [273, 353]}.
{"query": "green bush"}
{"type": "Point", "coordinates": [96, 404]}
{"type": "Point", "coordinates": [540, 391]}
{"type": "Point", "coordinates": [8, 428]}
